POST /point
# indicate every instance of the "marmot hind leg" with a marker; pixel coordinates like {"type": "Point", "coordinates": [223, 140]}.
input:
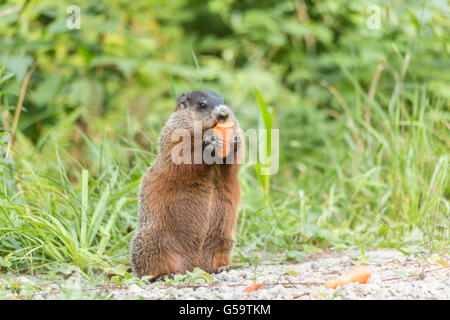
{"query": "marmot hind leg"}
{"type": "Point", "coordinates": [222, 269]}
{"type": "Point", "coordinates": [217, 255]}
{"type": "Point", "coordinates": [150, 257]}
{"type": "Point", "coordinates": [222, 257]}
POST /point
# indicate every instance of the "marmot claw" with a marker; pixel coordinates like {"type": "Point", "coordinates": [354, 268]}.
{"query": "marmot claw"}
{"type": "Point", "coordinates": [222, 269]}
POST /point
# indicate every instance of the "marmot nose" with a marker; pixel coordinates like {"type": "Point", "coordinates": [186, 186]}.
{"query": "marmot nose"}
{"type": "Point", "coordinates": [221, 112]}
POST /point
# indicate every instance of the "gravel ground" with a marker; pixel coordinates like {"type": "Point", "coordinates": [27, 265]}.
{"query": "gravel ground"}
{"type": "Point", "coordinates": [394, 276]}
{"type": "Point", "coordinates": [387, 267]}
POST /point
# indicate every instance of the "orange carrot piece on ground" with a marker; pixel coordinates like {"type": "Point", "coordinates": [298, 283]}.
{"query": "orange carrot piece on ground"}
{"type": "Point", "coordinates": [253, 287]}
{"type": "Point", "coordinates": [359, 274]}
{"type": "Point", "coordinates": [224, 130]}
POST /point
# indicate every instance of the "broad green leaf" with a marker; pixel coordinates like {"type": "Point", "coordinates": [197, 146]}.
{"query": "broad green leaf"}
{"type": "Point", "coordinates": [19, 65]}
{"type": "Point", "coordinates": [295, 255]}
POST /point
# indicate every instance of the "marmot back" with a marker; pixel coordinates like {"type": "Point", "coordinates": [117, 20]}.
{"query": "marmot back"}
{"type": "Point", "coordinates": [187, 210]}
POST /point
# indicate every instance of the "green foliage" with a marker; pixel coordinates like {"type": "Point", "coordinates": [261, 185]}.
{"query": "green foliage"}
{"type": "Point", "coordinates": [196, 277]}
{"type": "Point", "coordinates": [265, 145]}
{"type": "Point", "coordinates": [363, 117]}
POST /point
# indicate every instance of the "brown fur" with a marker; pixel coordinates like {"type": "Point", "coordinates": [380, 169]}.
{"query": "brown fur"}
{"type": "Point", "coordinates": [187, 212]}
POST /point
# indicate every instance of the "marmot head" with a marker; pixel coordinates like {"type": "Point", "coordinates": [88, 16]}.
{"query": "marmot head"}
{"type": "Point", "coordinates": [203, 105]}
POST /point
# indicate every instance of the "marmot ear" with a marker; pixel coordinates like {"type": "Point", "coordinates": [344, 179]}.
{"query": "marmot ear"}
{"type": "Point", "coordinates": [182, 100]}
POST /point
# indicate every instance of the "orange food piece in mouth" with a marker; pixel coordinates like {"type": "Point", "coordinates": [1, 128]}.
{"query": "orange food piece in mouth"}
{"type": "Point", "coordinates": [226, 131]}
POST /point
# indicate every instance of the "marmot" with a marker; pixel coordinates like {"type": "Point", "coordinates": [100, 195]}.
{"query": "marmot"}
{"type": "Point", "coordinates": [187, 212]}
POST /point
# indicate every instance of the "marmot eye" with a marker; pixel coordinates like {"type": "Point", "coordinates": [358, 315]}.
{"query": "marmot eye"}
{"type": "Point", "coordinates": [202, 105]}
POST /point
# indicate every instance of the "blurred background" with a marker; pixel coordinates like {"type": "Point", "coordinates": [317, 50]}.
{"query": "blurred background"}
{"type": "Point", "coordinates": [358, 89]}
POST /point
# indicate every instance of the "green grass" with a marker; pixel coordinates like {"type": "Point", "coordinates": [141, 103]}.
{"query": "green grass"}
{"type": "Point", "coordinates": [381, 181]}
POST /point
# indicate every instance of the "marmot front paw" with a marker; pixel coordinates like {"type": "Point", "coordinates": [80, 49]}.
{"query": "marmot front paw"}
{"type": "Point", "coordinates": [214, 141]}
{"type": "Point", "coordinates": [236, 141]}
